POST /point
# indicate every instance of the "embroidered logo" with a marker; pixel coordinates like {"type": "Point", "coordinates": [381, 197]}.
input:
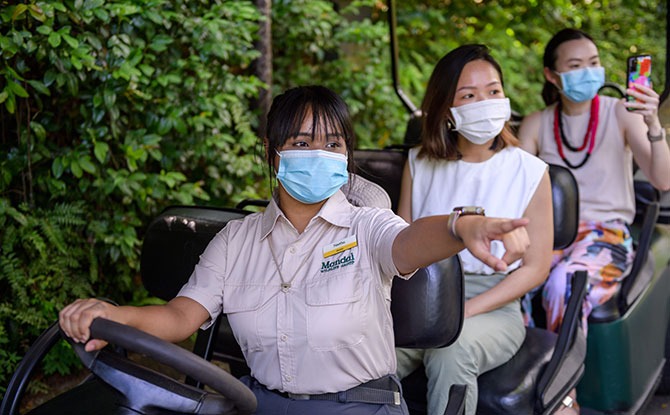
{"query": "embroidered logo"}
{"type": "Point", "coordinates": [327, 266]}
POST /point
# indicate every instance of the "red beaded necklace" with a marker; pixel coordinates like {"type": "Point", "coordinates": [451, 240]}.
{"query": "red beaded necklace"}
{"type": "Point", "coordinates": [589, 137]}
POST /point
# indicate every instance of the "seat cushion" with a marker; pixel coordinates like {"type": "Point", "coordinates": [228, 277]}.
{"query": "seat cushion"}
{"type": "Point", "coordinates": [511, 388]}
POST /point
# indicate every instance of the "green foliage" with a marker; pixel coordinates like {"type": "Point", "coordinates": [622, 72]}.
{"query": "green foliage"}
{"type": "Point", "coordinates": [110, 112]}
{"type": "Point", "coordinates": [517, 32]}
{"type": "Point", "coordinates": [346, 50]}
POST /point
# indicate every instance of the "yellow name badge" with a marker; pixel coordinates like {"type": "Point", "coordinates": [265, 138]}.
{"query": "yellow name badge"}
{"type": "Point", "coordinates": [341, 246]}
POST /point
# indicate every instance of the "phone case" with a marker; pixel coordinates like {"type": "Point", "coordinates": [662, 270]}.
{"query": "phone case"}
{"type": "Point", "coordinates": [639, 71]}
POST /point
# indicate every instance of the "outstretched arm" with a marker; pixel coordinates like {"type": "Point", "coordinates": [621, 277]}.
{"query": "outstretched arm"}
{"type": "Point", "coordinates": [428, 240]}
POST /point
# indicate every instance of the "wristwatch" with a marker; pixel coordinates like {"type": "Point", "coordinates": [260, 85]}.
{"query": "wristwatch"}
{"type": "Point", "coordinates": [462, 211]}
{"type": "Point", "coordinates": [654, 138]}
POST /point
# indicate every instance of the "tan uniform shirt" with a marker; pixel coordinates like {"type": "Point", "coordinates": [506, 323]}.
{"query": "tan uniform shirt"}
{"type": "Point", "coordinates": [327, 326]}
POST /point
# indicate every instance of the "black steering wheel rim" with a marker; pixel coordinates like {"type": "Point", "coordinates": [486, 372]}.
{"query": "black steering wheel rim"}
{"type": "Point", "coordinates": [173, 356]}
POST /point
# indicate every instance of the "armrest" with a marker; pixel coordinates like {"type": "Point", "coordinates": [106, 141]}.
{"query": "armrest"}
{"type": "Point", "coordinates": [570, 336]}
{"type": "Point", "coordinates": [628, 293]}
{"type": "Point", "coordinates": [456, 405]}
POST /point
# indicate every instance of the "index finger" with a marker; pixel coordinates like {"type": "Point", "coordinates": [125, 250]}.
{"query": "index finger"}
{"type": "Point", "coordinates": [511, 224]}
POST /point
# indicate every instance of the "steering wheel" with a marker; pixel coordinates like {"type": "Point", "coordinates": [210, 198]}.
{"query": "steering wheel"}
{"type": "Point", "coordinates": [146, 390]}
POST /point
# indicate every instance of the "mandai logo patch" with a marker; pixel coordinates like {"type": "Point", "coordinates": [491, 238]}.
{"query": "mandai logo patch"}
{"type": "Point", "coordinates": [336, 248]}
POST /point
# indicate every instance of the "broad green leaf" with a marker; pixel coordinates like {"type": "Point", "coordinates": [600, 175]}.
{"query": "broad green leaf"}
{"type": "Point", "coordinates": [75, 168]}
{"type": "Point", "coordinates": [38, 129]}
{"type": "Point", "coordinates": [54, 39]}
{"type": "Point", "coordinates": [87, 165]}
{"type": "Point", "coordinates": [74, 43]}
{"type": "Point", "coordinates": [10, 103]}
{"type": "Point", "coordinates": [39, 87]}
{"type": "Point", "coordinates": [109, 97]}
{"type": "Point", "coordinates": [17, 89]}
{"type": "Point", "coordinates": [57, 167]}
{"type": "Point", "coordinates": [18, 11]}
{"type": "Point", "coordinates": [44, 30]}
{"type": "Point", "coordinates": [101, 150]}
{"type": "Point", "coordinates": [37, 13]}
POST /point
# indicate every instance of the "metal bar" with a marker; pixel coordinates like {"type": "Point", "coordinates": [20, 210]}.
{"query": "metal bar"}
{"type": "Point", "coordinates": [409, 105]}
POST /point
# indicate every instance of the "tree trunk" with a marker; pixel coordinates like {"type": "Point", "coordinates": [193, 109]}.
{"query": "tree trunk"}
{"type": "Point", "coordinates": [263, 65]}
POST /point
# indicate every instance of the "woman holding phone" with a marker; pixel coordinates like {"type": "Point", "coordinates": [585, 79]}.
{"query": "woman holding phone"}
{"type": "Point", "coordinates": [597, 137]}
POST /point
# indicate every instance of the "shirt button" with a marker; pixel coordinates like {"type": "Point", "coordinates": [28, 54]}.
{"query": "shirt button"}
{"type": "Point", "coordinates": [288, 378]}
{"type": "Point", "coordinates": [292, 250]}
{"type": "Point", "coordinates": [284, 337]}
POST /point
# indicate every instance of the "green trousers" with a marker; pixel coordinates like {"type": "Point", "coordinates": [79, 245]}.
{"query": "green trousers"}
{"type": "Point", "coordinates": [486, 342]}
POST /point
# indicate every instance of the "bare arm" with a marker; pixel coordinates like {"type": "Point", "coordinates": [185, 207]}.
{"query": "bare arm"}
{"type": "Point", "coordinates": [536, 261]}
{"type": "Point", "coordinates": [529, 133]}
{"type": "Point", "coordinates": [405, 200]}
{"type": "Point", "coordinates": [653, 158]}
{"type": "Point", "coordinates": [173, 322]}
{"type": "Point", "coordinates": [428, 240]}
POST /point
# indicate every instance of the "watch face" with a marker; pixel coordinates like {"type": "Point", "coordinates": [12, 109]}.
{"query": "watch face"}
{"type": "Point", "coordinates": [470, 210]}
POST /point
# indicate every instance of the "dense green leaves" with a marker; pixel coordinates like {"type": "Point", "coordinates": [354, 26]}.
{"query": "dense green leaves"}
{"type": "Point", "coordinates": [110, 112]}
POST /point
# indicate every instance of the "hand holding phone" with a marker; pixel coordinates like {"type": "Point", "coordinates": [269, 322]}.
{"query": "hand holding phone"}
{"type": "Point", "coordinates": [638, 72]}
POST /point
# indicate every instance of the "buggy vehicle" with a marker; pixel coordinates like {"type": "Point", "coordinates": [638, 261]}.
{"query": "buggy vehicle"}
{"type": "Point", "coordinates": [631, 330]}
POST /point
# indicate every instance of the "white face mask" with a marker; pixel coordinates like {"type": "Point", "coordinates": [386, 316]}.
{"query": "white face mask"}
{"type": "Point", "coordinates": [481, 121]}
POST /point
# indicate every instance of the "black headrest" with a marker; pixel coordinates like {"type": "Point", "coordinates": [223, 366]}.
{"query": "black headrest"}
{"type": "Point", "coordinates": [565, 199]}
{"type": "Point", "coordinates": [383, 167]}
{"type": "Point", "coordinates": [173, 244]}
{"type": "Point", "coordinates": [428, 308]}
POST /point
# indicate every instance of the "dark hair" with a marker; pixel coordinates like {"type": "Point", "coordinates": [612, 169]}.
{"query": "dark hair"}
{"type": "Point", "coordinates": [288, 111]}
{"type": "Point", "coordinates": [438, 140]}
{"type": "Point", "coordinates": [550, 93]}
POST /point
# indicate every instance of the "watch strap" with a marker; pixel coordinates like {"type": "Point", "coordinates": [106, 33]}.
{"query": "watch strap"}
{"type": "Point", "coordinates": [655, 138]}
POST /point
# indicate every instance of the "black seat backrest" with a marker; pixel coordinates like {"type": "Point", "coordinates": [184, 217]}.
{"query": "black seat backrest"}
{"type": "Point", "coordinates": [565, 200]}
{"type": "Point", "coordinates": [428, 308]}
{"type": "Point", "coordinates": [383, 167]}
{"type": "Point", "coordinates": [173, 243]}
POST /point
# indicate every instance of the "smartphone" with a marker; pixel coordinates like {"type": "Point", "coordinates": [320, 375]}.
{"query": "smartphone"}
{"type": "Point", "coordinates": [639, 72]}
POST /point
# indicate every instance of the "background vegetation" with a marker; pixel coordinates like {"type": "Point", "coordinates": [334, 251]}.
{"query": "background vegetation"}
{"type": "Point", "coordinates": [112, 110]}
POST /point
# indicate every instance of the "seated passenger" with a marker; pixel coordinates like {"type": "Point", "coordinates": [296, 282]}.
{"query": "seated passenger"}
{"type": "Point", "coordinates": [306, 283]}
{"type": "Point", "coordinates": [597, 138]}
{"type": "Point", "coordinates": [468, 156]}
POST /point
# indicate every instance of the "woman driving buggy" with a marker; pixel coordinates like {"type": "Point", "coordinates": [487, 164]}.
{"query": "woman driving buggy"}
{"type": "Point", "coordinates": [306, 284]}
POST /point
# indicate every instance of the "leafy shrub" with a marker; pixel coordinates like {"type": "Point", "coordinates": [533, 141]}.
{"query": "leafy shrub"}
{"type": "Point", "coordinates": [112, 110]}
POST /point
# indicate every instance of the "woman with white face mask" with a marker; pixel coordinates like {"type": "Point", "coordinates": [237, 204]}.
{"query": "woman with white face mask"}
{"type": "Point", "coordinates": [469, 157]}
{"type": "Point", "coordinates": [597, 137]}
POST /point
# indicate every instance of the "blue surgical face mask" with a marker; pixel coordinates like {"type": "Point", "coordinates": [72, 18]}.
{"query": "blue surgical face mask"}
{"type": "Point", "coordinates": [582, 84]}
{"type": "Point", "coordinates": [311, 176]}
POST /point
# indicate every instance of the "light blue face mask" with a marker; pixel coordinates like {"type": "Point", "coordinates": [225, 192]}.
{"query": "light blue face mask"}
{"type": "Point", "coordinates": [311, 176]}
{"type": "Point", "coordinates": [582, 84]}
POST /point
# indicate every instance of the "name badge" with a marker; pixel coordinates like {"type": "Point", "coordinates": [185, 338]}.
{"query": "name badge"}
{"type": "Point", "coordinates": [341, 246]}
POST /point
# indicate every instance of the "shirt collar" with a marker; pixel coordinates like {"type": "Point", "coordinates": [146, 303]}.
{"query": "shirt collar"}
{"type": "Point", "coordinates": [336, 210]}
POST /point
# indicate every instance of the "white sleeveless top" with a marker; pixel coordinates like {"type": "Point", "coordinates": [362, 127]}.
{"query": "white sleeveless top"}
{"type": "Point", "coordinates": [606, 180]}
{"type": "Point", "coordinates": [503, 185]}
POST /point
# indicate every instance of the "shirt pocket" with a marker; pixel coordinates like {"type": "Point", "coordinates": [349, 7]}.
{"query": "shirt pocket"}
{"type": "Point", "coordinates": [249, 319]}
{"type": "Point", "coordinates": [336, 312]}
